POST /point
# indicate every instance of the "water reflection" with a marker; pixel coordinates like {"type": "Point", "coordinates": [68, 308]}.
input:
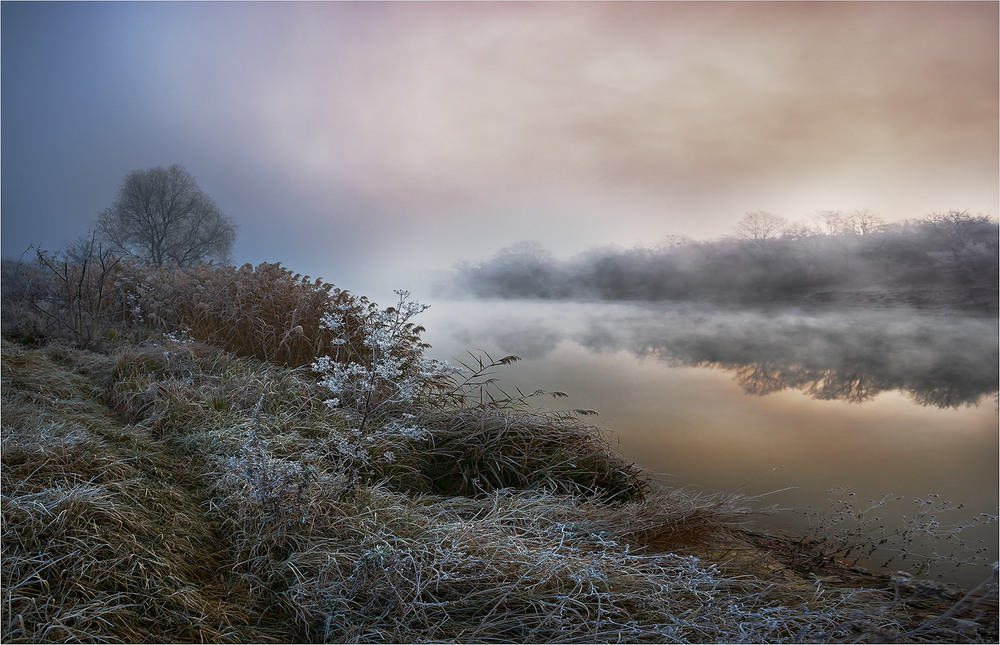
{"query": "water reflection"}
{"type": "Point", "coordinates": [939, 360]}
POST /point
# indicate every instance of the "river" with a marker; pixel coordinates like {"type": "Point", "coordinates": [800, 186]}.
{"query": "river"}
{"type": "Point", "coordinates": [874, 421]}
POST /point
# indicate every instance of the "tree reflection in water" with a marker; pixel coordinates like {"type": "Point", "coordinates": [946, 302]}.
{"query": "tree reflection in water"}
{"type": "Point", "coordinates": [853, 386]}
{"type": "Point", "coordinates": [939, 360]}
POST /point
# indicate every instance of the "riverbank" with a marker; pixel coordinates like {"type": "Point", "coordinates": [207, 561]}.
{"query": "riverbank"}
{"type": "Point", "coordinates": [223, 454]}
{"type": "Point", "coordinates": [169, 490]}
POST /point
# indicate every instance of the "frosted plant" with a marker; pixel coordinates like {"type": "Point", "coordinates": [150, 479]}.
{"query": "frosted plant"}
{"type": "Point", "coordinates": [405, 430]}
{"type": "Point", "coordinates": [276, 485]}
{"type": "Point", "coordinates": [397, 370]}
{"type": "Point", "coordinates": [180, 337]}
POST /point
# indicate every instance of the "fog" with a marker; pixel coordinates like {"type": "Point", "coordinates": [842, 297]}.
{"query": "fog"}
{"type": "Point", "coordinates": [946, 260]}
{"type": "Point", "coordinates": [853, 355]}
{"type": "Point", "coordinates": [369, 142]}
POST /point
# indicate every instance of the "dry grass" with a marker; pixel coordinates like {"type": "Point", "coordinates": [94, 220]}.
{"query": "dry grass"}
{"type": "Point", "coordinates": [469, 452]}
{"type": "Point", "coordinates": [176, 491]}
{"type": "Point", "coordinates": [266, 312]}
{"type": "Point", "coordinates": [104, 535]}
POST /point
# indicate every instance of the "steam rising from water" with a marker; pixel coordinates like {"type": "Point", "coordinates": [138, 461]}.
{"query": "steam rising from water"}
{"type": "Point", "coordinates": [853, 355]}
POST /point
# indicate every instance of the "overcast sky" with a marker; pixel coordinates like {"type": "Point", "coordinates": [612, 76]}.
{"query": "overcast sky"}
{"type": "Point", "coordinates": [372, 142]}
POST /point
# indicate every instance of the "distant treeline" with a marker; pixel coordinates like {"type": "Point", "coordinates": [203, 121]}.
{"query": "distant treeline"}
{"type": "Point", "coordinates": [944, 260]}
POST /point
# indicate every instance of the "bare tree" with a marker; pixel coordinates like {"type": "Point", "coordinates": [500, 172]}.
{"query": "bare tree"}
{"type": "Point", "coordinates": [864, 222]}
{"type": "Point", "coordinates": [81, 250]}
{"type": "Point", "coordinates": [761, 226]}
{"type": "Point", "coordinates": [831, 222]}
{"type": "Point", "coordinates": [858, 222]}
{"type": "Point", "coordinates": [162, 217]}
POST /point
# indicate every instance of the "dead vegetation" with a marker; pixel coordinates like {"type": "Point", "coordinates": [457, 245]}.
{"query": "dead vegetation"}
{"type": "Point", "coordinates": [265, 312]}
{"type": "Point", "coordinates": [180, 490]}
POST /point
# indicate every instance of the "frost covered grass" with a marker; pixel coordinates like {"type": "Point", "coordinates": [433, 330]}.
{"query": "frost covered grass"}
{"type": "Point", "coordinates": [176, 490]}
{"type": "Point", "coordinates": [469, 452]}
{"type": "Point", "coordinates": [104, 535]}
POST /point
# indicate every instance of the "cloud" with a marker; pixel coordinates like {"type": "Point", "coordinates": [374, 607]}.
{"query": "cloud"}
{"type": "Point", "coordinates": [448, 101]}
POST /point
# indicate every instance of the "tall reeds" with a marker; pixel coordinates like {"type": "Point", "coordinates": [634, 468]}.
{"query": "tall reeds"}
{"type": "Point", "coordinates": [266, 311]}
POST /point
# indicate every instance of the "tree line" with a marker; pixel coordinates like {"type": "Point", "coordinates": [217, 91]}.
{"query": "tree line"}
{"type": "Point", "coordinates": [947, 259]}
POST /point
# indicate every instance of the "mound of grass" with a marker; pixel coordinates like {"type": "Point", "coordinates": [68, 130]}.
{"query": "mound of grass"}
{"type": "Point", "coordinates": [469, 452]}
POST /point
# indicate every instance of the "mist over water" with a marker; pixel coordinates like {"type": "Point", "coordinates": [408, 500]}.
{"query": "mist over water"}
{"type": "Point", "coordinates": [829, 404]}
{"type": "Point", "coordinates": [853, 356]}
{"type": "Point", "coordinates": [938, 359]}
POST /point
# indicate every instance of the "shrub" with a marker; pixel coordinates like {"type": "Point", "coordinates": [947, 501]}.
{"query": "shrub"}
{"type": "Point", "coordinates": [52, 299]}
{"type": "Point", "coordinates": [395, 372]}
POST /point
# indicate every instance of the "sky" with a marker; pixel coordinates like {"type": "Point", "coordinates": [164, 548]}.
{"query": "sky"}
{"type": "Point", "coordinates": [374, 144]}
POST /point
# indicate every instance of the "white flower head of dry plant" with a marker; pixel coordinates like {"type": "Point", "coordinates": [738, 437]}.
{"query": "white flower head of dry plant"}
{"type": "Point", "coordinates": [397, 371]}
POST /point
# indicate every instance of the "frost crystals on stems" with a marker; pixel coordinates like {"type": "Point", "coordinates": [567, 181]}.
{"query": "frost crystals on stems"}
{"type": "Point", "coordinates": [397, 370]}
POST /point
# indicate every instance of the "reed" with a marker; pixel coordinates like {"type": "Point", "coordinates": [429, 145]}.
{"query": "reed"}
{"type": "Point", "coordinates": [266, 312]}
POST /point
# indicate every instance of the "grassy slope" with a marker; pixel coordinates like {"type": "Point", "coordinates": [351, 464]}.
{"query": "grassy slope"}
{"type": "Point", "coordinates": [170, 491]}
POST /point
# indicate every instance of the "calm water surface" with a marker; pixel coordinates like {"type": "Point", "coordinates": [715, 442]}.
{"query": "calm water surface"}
{"type": "Point", "coordinates": [809, 409]}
